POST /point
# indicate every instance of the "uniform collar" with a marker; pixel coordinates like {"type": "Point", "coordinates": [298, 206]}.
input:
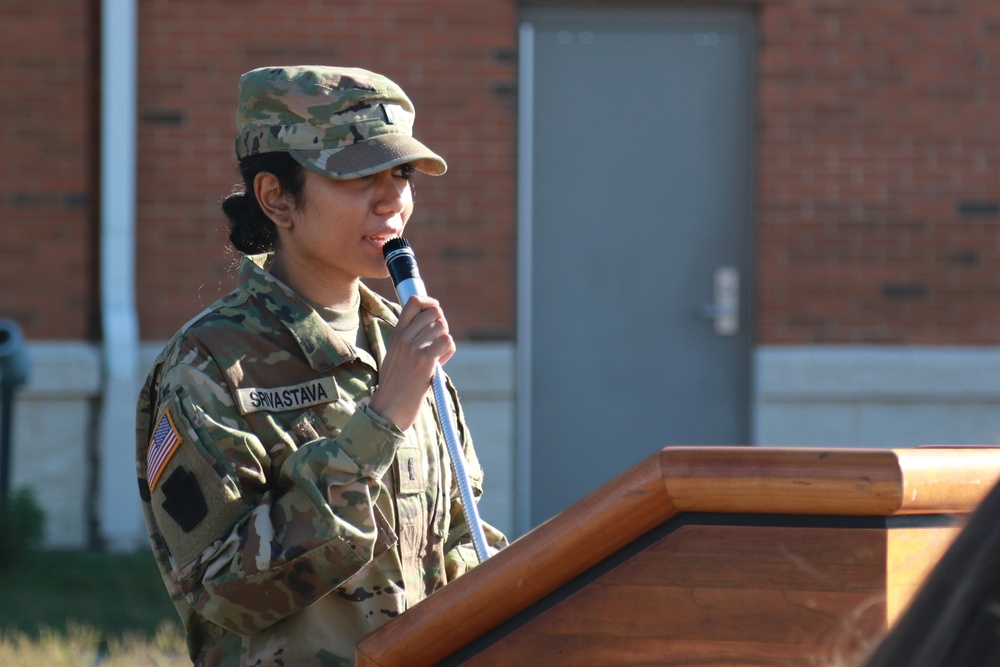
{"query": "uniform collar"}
{"type": "Point", "coordinates": [322, 346]}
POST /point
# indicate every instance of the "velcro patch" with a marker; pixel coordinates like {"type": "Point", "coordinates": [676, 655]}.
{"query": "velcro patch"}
{"type": "Point", "coordinates": [410, 474]}
{"type": "Point", "coordinates": [278, 399]}
{"type": "Point", "coordinates": [183, 499]}
{"type": "Point", "coordinates": [162, 446]}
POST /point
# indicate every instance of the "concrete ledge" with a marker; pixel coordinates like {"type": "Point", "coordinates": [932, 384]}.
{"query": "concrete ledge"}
{"type": "Point", "coordinates": [865, 396]}
{"type": "Point", "coordinates": [863, 373]}
{"type": "Point", "coordinates": [485, 369]}
{"type": "Point", "coordinates": [53, 430]}
{"type": "Point", "coordinates": [66, 369]}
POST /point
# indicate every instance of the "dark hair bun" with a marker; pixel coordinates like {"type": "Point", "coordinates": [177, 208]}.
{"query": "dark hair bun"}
{"type": "Point", "coordinates": [247, 231]}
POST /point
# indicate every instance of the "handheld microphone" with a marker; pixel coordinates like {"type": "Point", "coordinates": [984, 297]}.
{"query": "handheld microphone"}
{"type": "Point", "coordinates": [402, 265]}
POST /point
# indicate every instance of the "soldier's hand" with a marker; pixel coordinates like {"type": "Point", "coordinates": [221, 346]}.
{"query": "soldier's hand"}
{"type": "Point", "coordinates": [420, 341]}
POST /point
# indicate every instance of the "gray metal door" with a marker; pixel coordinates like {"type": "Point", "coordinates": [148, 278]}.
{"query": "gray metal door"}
{"type": "Point", "coordinates": [636, 208]}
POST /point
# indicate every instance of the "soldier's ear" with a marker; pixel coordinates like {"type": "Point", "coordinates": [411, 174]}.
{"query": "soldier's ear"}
{"type": "Point", "coordinates": [276, 204]}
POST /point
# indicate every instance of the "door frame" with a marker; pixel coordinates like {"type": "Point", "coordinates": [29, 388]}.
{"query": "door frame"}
{"type": "Point", "coordinates": [525, 193]}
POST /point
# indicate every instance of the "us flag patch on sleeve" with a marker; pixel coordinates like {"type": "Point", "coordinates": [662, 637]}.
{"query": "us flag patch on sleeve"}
{"type": "Point", "coordinates": [162, 446]}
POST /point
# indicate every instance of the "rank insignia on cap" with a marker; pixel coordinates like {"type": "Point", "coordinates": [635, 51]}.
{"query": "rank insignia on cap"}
{"type": "Point", "coordinates": [162, 446]}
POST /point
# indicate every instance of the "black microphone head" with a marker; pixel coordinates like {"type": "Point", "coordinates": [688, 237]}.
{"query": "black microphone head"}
{"type": "Point", "coordinates": [399, 259]}
{"type": "Point", "coordinates": [394, 244]}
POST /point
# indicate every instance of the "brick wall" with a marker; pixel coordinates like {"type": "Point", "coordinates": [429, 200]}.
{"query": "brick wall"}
{"type": "Point", "coordinates": [879, 172]}
{"type": "Point", "coordinates": [48, 180]}
{"type": "Point", "coordinates": [879, 158]}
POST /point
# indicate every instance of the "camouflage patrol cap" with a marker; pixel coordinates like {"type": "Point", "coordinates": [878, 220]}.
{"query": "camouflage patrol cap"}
{"type": "Point", "coordinates": [341, 122]}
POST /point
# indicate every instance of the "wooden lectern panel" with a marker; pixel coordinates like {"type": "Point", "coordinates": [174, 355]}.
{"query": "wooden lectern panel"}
{"type": "Point", "coordinates": [785, 592]}
{"type": "Point", "coordinates": [911, 555]}
{"type": "Point", "coordinates": [708, 556]}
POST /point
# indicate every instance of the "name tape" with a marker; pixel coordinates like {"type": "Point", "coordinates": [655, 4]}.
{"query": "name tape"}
{"type": "Point", "coordinates": [278, 399]}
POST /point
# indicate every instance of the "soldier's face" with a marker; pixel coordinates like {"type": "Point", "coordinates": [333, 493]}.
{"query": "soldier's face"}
{"type": "Point", "coordinates": [342, 224]}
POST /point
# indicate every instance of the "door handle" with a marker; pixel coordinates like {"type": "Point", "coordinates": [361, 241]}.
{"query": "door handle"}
{"type": "Point", "coordinates": [725, 310]}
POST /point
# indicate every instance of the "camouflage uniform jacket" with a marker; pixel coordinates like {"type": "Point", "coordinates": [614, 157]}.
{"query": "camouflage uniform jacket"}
{"type": "Point", "coordinates": [288, 520]}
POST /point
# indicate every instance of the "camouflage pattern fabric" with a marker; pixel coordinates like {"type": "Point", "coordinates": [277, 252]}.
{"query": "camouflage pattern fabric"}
{"type": "Point", "coordinates": [341, 122]}
{"type": "Point", "coordinates": [288, 520]}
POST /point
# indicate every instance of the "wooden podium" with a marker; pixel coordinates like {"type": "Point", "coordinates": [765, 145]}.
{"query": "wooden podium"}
{"type": "Point", "coordinates": [707, 556]}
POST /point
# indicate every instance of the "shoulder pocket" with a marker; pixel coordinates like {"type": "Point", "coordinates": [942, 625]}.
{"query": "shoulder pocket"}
{"type": "Point", "coordinates": [195, 500]}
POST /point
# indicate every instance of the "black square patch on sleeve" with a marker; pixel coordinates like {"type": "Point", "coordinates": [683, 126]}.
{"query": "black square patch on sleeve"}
{"type": "Point", "coordinates": [183, 499]}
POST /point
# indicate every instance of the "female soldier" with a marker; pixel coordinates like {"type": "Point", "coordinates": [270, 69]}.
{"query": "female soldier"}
{"type": "Point", "coordinates": [293, 475]}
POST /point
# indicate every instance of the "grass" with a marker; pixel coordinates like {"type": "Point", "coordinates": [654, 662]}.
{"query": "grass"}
{"type": "Point", "coordinates": [79, 608]}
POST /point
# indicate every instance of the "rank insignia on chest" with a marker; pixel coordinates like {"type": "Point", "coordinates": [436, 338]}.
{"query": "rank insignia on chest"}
{"type": "Point", "coordinates": [162, 446]}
